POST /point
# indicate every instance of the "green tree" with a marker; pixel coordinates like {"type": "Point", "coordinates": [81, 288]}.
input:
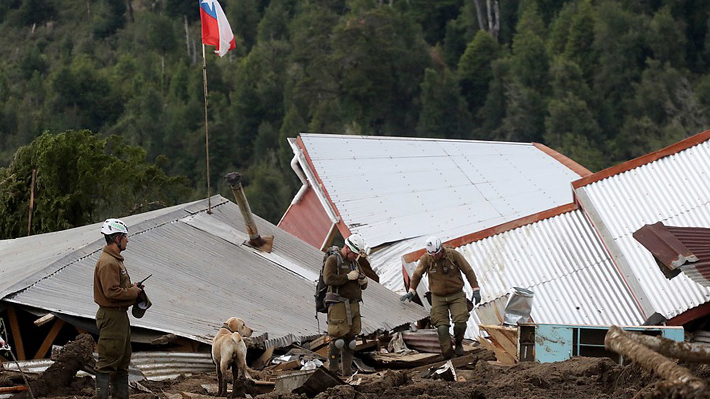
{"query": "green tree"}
{"type": "Point", "coordinates": [36, 12]}
{"type": "Point", "coordinates": [579, 47]}
{"type": "Point", "coordinates": [81, 179]}
{"type": "Point", "coordinates": [475, 71]}
{"type": "Point", "coordinates": [109, 17]}
{"type": "Point", "coordinates": [444, 111]}
{"type": "Point", "coordinates": [667, 39]}
{"type": "Point", "coordinates": [572, 130]}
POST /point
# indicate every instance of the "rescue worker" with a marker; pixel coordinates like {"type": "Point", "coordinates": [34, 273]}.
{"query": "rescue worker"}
{"type": "Point", "coordinates": [114, 294]}
{"type": "Point", "coordinates": [345, 280]}
{"type": "Point", "coordinates": [443, 267]}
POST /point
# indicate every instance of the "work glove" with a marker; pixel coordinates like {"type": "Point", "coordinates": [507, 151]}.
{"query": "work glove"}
{"type": "Point", "coordinates": [353, 275]}
{"type": "Point", "coordinates": [407, 297]}
{"type": "Point", "coordinates": [476, 297]}
{"type": "Point", "coordinates": [362, 280]}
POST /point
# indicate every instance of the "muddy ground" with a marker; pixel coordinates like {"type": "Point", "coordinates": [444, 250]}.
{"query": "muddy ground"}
{"type": "Point", "coordinates": [576, 378]}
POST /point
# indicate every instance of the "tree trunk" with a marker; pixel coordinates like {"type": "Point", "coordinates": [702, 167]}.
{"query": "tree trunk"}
{"type": "Point", "coordinates": [187, 35]}
{"type": "Point", "coordinates": [677, 350]}
{"type": "Point", "coordinates": [479, 14]}
{"type": "Point", "coordinates": [619, 341]}
{"type": "Point", "coordinates": [129, 5]}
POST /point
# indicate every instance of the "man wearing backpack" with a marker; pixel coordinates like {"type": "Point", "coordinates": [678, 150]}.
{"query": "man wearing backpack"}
{"type": "Point", "coordinates": [444, 267]}
{"type": "Point", "coordinates": [345, 282]}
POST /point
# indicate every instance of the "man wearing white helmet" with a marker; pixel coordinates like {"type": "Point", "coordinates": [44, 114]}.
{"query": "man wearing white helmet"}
{"type": "Point", "coordinates": [444, 266]}
{"type": "Point", "coordinates": [114, 294]}
{"type": "Point", "coordinates": [345, 280]}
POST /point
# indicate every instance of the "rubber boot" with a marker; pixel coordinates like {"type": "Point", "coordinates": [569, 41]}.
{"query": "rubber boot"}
{"type": "Point", "coordinates": [119, 383]}
{"type": "Point", "coordinates": [102, 383]}
{"type": "Point", "coordinates": [459, 331]}
{"type": "Point", "coordinates": [333, 357]}
{"type": "Point", "coordinates": [445, 341]}
{"type": "Point", "coordinates": [347, 362]}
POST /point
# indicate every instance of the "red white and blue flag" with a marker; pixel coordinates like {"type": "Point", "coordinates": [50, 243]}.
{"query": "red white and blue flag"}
{"type": "Point", "coordinates": [215, 27]}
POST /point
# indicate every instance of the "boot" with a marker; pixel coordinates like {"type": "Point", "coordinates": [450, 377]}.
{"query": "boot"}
{"type": "Point", "coordinates": [445, 341]}
{"type": "Point", "coordinates": [119, 383]}
{"type": "Point", "coordinates": [347, 362]}
{"type": "Point", "coordinates": [102, 383]}
{"type": "Point", "coordinates": [459, 331]}
{"type": "Point", "coordinates": [333, 357]}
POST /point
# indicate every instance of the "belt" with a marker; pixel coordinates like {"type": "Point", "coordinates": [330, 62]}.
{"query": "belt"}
{"type": "Point", "coordinates": [121, 308]}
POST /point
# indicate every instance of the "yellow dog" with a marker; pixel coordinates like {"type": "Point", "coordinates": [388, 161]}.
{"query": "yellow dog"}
{"type": "Point", "coordinates": [230, 351]}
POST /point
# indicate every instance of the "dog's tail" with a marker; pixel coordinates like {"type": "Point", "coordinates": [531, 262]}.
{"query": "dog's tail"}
{"type": "Point", "coordinates": [237, 338]}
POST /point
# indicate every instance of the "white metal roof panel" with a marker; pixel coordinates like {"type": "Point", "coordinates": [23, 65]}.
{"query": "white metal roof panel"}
{"type": "Point", "coordinates": [561, 260]}
{"type": "Point", "coordinates": [203, 274]}
{"type": "Point", "coordinates": [675, 190]}
{"type": "Point", "coordinates": [389, 189]}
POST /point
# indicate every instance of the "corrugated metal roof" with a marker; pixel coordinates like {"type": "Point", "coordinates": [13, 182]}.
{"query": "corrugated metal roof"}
{"type": "Point", "coordinates": [672, 186]}
{"type": "Point", "coordinates": [389, 189]}
{"type": "Point", "coordinates": [560, 259]}
{"type": "Point", "coordinates": [203, 273]}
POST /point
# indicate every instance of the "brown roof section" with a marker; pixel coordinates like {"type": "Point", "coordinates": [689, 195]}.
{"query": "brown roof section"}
{"type": "Point", "coordinates": [644, 159]}
{"type": "Point", "coordinates": [574, 166]}
{"type": "Point", "coordinates": [685, 249]}
{"type": "Point", "coordinates": [501, 228]}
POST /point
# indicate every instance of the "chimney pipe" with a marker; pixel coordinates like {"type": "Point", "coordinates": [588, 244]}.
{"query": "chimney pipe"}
{"type": "Point", "coordinates": [255, 240]}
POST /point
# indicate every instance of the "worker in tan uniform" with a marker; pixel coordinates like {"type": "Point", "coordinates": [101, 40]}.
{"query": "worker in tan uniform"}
{"type": "Point", "coordinates": [345, 280]}
{"type": "Point", "coordinates": [444, 266]}
{"type": "Point", "coordinates": [114, 294]}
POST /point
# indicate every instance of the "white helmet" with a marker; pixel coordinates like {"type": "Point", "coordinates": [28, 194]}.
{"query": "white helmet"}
{"type": "Point", "coordinates": [356, 243]}
{"type": "Point", "coordinates": [433, 245]}
{"type": "Point", "coordinates": [114, 226]}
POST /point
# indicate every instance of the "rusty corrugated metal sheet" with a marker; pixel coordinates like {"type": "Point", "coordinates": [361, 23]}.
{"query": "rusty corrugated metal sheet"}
{"type": "Point", "coordinates": [307, 220]}
{"type": "Point", "coordinates": [685, 249]}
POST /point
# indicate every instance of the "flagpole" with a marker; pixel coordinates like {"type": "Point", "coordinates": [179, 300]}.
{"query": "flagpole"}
{"type": "Point", "coordinates": [207, 135]}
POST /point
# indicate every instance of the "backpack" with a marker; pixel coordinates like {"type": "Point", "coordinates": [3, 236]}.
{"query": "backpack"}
{"type": "Point", "coordinates": [321, 286]}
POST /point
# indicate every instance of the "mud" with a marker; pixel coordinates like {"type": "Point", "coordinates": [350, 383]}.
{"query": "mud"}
{"type": "Point", "coordinates": [576, 378]}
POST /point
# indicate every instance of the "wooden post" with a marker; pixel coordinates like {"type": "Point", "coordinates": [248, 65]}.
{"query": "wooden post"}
{"type": "Point", "coordinates": [51, 336]}
{"type": "Point", "coordinates": [16, 336]}
{"type": "Point", "coordinates": [32, 201]}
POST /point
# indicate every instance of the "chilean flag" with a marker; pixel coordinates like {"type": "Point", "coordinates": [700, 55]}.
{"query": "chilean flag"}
{"type": "Point", "coordinates": [215, 27]}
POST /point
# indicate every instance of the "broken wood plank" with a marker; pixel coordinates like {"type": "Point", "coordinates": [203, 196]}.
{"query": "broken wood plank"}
{"type": "Point", "coordinates": [16, 335]}
{"type": "Point", "coordinates": [394, 360]}
{"type": "Point", "coordinates": [51, 336]}
{"type": "Point", "coordinates": [287, 365]}
{"type": "Point", "coordinates": [318, 343]}
{"type": "Point", "coordinates": [456, 362]}
{"type": "Point", "coordinates": [263, 360]}
{"type": "Point", "coordinates": [44, 319]}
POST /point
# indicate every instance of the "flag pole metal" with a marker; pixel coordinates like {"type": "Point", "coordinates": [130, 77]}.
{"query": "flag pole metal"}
{"type": "Point", "coordinates": [207, 134]}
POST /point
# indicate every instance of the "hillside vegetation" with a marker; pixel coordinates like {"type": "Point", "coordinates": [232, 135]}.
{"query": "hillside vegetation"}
{"type": "Point", "coordinates": [600, 81]}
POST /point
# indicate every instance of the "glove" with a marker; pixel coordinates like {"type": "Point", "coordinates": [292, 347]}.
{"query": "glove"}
{"type": "Point", "coordinates": [407, 297]}
{"type": "Point", "coordinates": [362, 280]}
{"type": "Point", "coordinates": [476, 297]}
{"type": "Point", "coordinates": [353, 275]}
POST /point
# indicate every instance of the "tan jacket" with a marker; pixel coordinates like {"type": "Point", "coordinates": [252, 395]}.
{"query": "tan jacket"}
{"type": "Point", "coordinates": [444, 274]}
{"type": "Point", "coordinates": [338, 279]}
{"type": "Point", "coordinates": [112, 284]}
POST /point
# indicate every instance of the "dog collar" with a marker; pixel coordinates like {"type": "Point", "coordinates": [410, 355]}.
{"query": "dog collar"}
{"type": "Point", "coordinates": [225, 325]}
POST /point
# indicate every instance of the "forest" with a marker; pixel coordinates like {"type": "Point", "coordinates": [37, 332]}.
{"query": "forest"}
{"type": "Point", "coordinates": [104, 99]}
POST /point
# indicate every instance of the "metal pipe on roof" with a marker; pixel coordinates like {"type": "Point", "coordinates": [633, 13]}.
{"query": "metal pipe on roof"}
{"type": "Point", "coordinates": [255, 240]}
{"type": "Point", "coordinates": [301, 177]}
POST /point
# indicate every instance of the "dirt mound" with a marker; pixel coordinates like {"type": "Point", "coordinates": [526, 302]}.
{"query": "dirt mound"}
{"type": "Point", "coordinates": [579, 378]}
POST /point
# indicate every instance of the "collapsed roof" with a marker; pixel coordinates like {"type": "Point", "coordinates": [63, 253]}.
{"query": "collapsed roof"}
{"type": "Point", "coordinates": [395, 191]}
{"type": "Point", "coordinates": [203, 273]}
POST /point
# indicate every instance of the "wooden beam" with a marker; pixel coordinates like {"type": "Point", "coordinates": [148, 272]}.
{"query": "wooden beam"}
{"type": "Point", "coordinates": [16, 336]}
{"type": "Point", "coordinates": [51, 336]}
{"type": "Point", "coordinates": [44, 319]}
{"type": "Point", "coordinates": [263, 360]}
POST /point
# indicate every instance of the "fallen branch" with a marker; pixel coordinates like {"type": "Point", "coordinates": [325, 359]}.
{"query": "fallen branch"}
{"type": "Point", "coordinates": [619, 341]}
